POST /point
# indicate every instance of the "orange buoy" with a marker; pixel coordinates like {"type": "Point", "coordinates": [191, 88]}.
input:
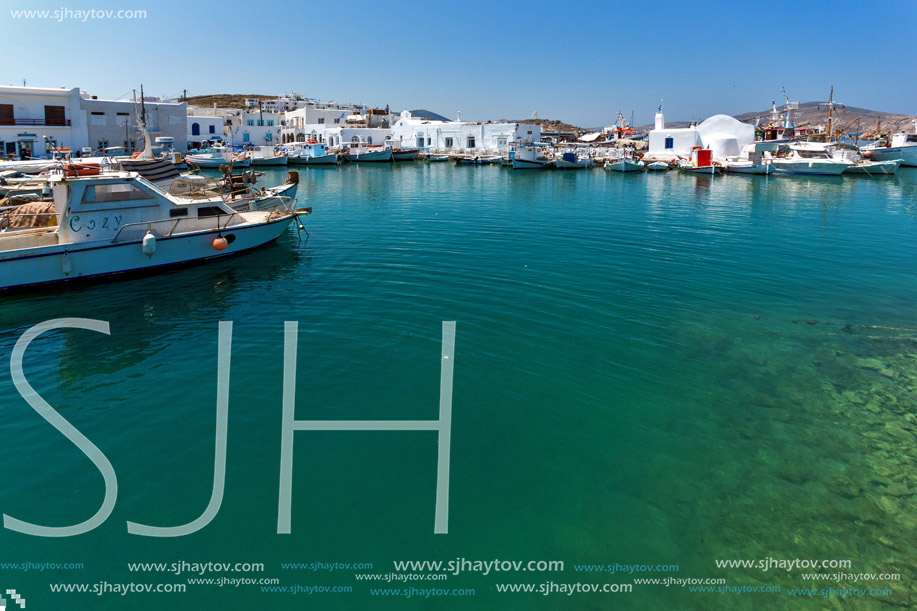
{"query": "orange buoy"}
{"type": "Point", "coordinates": [220, 243]}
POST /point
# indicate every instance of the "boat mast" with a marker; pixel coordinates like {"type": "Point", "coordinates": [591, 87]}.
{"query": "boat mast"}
{"type": "Point", "coordinates": [130, 122]}
{"type": "Point", "coordinates": [830, 111]}
{"type": "Point", "coordinates": [142, 107]}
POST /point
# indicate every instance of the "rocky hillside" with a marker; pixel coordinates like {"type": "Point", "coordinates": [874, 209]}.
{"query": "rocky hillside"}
{"type": "Point", "coordinates": [816, 113]}
{"type": "Point", "coordinates": [552, 125]}
{"type": "Point", "coordinates": [226, 100]}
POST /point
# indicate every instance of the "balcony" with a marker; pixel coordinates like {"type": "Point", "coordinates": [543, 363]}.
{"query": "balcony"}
{"type": "Point", "coordinates": [35, 122]}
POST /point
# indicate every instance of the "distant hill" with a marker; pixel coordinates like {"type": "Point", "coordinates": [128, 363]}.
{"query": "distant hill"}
{"type": "Point", "coordinates": [226, 100]}
{"type": "Point", "coordinates": [816, 113]}
{"type": "Point", "coordinates": [552, 125]}
{"type": "Point", "coordinates": [428, 115]}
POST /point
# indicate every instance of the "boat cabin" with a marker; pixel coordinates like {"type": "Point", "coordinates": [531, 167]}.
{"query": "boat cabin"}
{"type": "Point", "coordinates": [124, 206]}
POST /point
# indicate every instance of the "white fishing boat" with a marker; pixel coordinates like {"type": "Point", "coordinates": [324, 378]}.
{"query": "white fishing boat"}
{"type": "Point", "coordinates": [238, 190]}
{"type": "Point", "coordinates": [530, 157]}
{"type": "Point", "coordinates": [754, 158]}
{"type": "Point", "coordinates": [216, 157]}
{"type": "Point", "coordinates": [874, 168]}
{"type": "Point", "coordinates": [267, 156]}
{"type": "Point", "coordinates": [701, 163]}
{"type": "Point", "coordinates": [658, 166]}
{"type": "Point", "coordinates": [572, 160]}
{"type": "Point", "coordinates": [120, 222]}
{"type": "Point", "coordinates": [902, 146]}
{"type": "Point", "coordinates": [624, 165]}
{"type": "Point", "coordinates": [739, 166]}
{"type": "Point", "coordinates": [368, 153]}
{"type": "Point", "coordinates": [310, 153]}
{"type": "Point", "coordinates": [812, 159]}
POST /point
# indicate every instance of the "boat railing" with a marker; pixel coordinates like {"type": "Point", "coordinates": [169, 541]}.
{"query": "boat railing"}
{"type": "Point", "coordinates": [282, 204]}
{"type": "Point", "coordinates": [165, 228]}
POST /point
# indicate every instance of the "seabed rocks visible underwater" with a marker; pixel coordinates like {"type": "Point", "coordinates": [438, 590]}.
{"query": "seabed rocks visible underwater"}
{"type": "Point", "coordinates": [825, 415]}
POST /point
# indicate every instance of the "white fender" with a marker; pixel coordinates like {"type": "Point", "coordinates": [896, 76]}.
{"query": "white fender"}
{"type": "Point", "coordinates": [149, 244]}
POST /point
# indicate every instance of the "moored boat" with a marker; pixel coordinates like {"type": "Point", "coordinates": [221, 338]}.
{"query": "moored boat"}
{"type": "Point", "coordinates": [119, 222]}
{"type": "Point", "coordinates": [217, 157]}
{"type": "Point", "coordinates": [658, 166]}
{"type": "Point", "coordinates": [744, 166]}
{"type": "Point", "coordinates": [623, 165]}
{"type": "Point", "coordinates": [811, 159]}
{"type": "Point", "coordinates": [754, 158]}
{"type": "Point", "coordinates": [530, 157]}
{"type": "Point", "coordinates": [368, 153]}
{"type": "Point", "coordinates": [532, 164]}
{"type": "Point", "coordinates": [701, 163]}
{"type": "Point", "coordinates": [405, 154]}
{"type": "Point", "coordinates": [874, 168]}
{"type": "Point", "coordinates": [902, 146]}
{"type": "Point", "coordinates": [267, 156]}
{"type": "Point", "coordinates": [311, 153]}
{"type": "Point", "coordinates": [570, 160]}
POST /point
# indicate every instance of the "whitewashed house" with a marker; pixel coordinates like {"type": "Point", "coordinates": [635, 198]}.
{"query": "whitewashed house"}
{"type": "Point", "coordinates": [114, 123]}
{"type": "Point", "coordinates": [343, 135]}
{"type": "Point", "coordinates": [251, 127]}
{"type": "Point", "coordinates": [668, 143]}
{"type": "Point", "coordinates": [409, 131]}
{"type": "Point", "coordinates": [310, 122]}
{"type": "Point", "coordinates": [27, 114]}
{"type": "Point", "coordinates": [724, 135]}
{"type": "Point", "coordinates": [204, 128]}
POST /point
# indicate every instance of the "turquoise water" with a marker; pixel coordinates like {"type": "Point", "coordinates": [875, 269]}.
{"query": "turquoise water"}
{"type": "Point", "coordinates": [651, 369]}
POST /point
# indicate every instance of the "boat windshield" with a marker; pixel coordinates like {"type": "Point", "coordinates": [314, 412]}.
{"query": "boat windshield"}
{"type": "Point", "coordinates": [147, 184]}
{"type": "Point", "coordinates": [113, 192]}
{"type": "Point", "coordinates": [813, 154]}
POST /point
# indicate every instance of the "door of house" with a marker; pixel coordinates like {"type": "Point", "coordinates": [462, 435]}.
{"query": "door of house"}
{"type": "Point", "coordinates": [6, 114]}
{"type": "Point", "coordinates": [25, 149]}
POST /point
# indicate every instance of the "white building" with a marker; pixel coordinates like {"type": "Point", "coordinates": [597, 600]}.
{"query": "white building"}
{"type": "Point", "coordinates": [251, 127]}
{"type": "Point", "coordinates": [114, 123]}
{"type": "Point", "coordinates": [409, 131]}
{"type": "Point", "coordinates": [669, 143]}
{"type": "Point", "coordinates": [311, 121]}
{"type": "Point", "coordinates": [203, 128]}
{"type": "Point", "coordinates": [723, 134]}
{"type": "Point", "coordinates": [341, 135]}
{"type": "Point", "coordinates": [27, 114]}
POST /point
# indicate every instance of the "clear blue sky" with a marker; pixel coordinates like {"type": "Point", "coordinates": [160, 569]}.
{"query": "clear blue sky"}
{"type": "Point", "coordinates": [576, 61]}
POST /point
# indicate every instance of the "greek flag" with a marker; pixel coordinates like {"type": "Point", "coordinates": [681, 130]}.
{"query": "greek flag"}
{"type": "Point", "coordinates": [660, 106]}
